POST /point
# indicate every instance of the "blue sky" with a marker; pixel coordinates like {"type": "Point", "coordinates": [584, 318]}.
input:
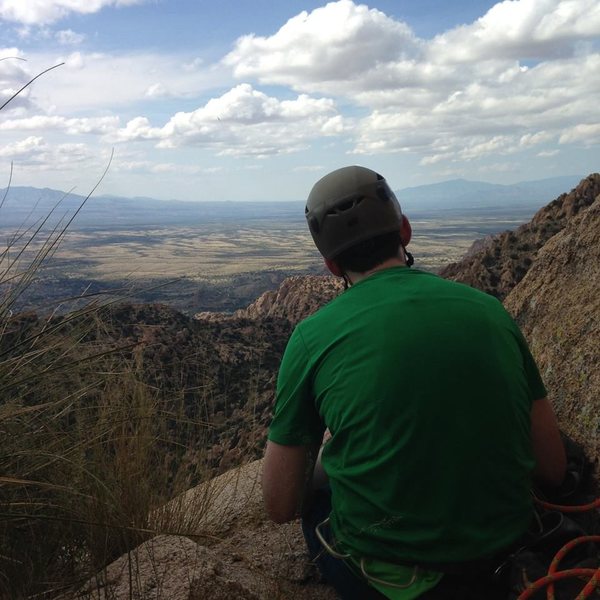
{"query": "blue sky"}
{"type": "Point", "coordinates": [255, 100]}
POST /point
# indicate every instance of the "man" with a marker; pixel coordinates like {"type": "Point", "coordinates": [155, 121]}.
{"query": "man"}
{"type": "Point", "coordinates": [437, 414]}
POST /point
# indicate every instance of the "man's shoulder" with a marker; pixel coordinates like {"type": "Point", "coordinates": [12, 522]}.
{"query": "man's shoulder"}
{"type": "Point", "coordinates": [467, 290]}
{"type": "Point", "coordinates": [412, 283]}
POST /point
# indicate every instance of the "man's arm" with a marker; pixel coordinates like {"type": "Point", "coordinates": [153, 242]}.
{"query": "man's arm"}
{"type": "Point", "coordinates": [287, 471]}
{"type": "Point", "coordinates": [548, 449]}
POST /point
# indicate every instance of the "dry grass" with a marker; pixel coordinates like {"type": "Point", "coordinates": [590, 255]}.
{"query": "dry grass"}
{"type": "Point", "coordinates": [82, 475]}
{"type": "Point", "coordinates": [87, 450]}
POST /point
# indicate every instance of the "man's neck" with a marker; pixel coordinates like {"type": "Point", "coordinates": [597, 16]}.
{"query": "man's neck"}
{"type": "Point", "coordinates": [395, 261]}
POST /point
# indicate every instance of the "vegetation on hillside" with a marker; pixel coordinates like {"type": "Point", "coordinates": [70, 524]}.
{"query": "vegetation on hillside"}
{"type": "Point", "coordinates": [82, 458]}
{"type": "Point", "coordinates": [94, 435]}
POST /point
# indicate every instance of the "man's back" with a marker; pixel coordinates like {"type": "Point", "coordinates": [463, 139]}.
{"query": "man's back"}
{"type": "Point", "coordinates": [426, 386]}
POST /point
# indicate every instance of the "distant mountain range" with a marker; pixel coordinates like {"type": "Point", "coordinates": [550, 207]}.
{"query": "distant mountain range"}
{"type": "Point", "coordinates": [462, 193]}
{"type": "Point", "coordinates": [24, 204]}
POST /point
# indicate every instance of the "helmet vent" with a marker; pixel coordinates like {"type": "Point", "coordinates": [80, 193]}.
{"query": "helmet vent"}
{"type": "Point", "coordinates": [345, 206]}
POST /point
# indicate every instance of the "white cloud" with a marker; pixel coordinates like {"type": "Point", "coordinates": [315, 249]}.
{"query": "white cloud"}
{"type": "Point", "coordinates": [521, 29]}
{"type": "Point", "coordinates": [73, 126]}
{"type": "Point", "coordinates": [13, 76]}
{"type": "Point", "coordinates": [534, 139]}
{"type": "Point", "coordinates": [71, 154]}
{"type": "Point", "coordinates": [137, 129]}
{"type": "Point", "coordinates": [368, 51]}
{"type": "Point", "coordinates": [69, 37]}
{"type": "Point", "coordinates": [119, 164]}
{"type": "Point", "coordinates": [34, 154]}
{"type": "Point", "coordinates": [40, 12]}
{"type": "Point", "coordinates": [309, 49]}
{"type": "Point", "coordinates": [586, 133]}
{"type": "Point", "coordinates": [29, 32]}
{"type": "Point", "coordinates": [194, 65]}
{"type": "Point", "coordinates": [101, 81]}
{"type": "Point", "coordinates": [156, 90]}
{"type": "Point", "coordinates": [522, 78]}
{"type": "Point", "coordinates": [464, 95]}
{"type": "Point", "coordinates": [74, 61]}
{"type": "Point", "coordinates": [25, 148]}
{"type": "Point", "coordinates": [243, 122]}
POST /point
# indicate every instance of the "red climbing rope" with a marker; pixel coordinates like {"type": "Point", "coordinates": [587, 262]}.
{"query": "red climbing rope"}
{"type": "Point", "coordinates": [591, 575]}
{"type": "Point", "coordinates": [569, 509]}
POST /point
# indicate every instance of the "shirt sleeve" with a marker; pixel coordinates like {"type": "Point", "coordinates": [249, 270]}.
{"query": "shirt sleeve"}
{"type": "Point", "coordinates": [296, 421]}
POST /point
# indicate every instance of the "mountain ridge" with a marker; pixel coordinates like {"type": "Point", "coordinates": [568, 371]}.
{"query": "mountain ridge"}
{"type": "Point", "coordinates": [23, 202]}
{"type": "Point", "coordinates": [497, 263]}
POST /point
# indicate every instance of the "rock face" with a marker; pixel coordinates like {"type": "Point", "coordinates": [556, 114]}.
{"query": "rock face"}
{"type": "Point", "coordinates": [296, 298]}
{"type": "Point", "coordinates": [499, 262]}
{"type": "Point", "coordinates": [238, 553]}
{"type": "Point", "coordinates": [557, 305]}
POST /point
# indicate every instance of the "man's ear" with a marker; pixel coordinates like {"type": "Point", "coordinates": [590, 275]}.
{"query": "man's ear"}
{"type": "Point", "coordinates": [405, 231]}
{"type": "Point", "coordinates": [333, 267]}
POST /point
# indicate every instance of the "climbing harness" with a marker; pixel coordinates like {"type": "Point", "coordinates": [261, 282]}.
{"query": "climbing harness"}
{"type": "Point", "coordinates": [345, 556]}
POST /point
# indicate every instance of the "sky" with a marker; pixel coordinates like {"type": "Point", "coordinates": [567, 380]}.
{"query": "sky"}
{"type": "Point", "coordinates": [257, 99]}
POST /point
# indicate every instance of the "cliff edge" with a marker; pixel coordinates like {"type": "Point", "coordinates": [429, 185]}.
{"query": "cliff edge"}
{"type": "Point", "coordinates": [499, 262]}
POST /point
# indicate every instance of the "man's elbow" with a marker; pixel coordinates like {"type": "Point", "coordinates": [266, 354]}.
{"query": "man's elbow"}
{"type": "Point", "coordinates": [280, 514]}
{"type": "Point", "coordinates": [278, 508]}
{"type": "Point", "coordinates": [548, 448]}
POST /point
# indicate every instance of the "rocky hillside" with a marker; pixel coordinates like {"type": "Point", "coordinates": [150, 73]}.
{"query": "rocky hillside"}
{"type": "Point", "coordinates": [225, 371]}
{"type": "Point", "coordinates": [296, 298]}
{"type": "Point", "coordinates": [557, 305]}
{"type": "Point", "coordinates": [497, 263]}
{"type": "Point", "coordinates": [221, 372]}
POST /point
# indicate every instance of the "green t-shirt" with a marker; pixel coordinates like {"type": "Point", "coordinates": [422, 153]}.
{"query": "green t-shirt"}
{"type": "Point", "coordinates": [426, 386]}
